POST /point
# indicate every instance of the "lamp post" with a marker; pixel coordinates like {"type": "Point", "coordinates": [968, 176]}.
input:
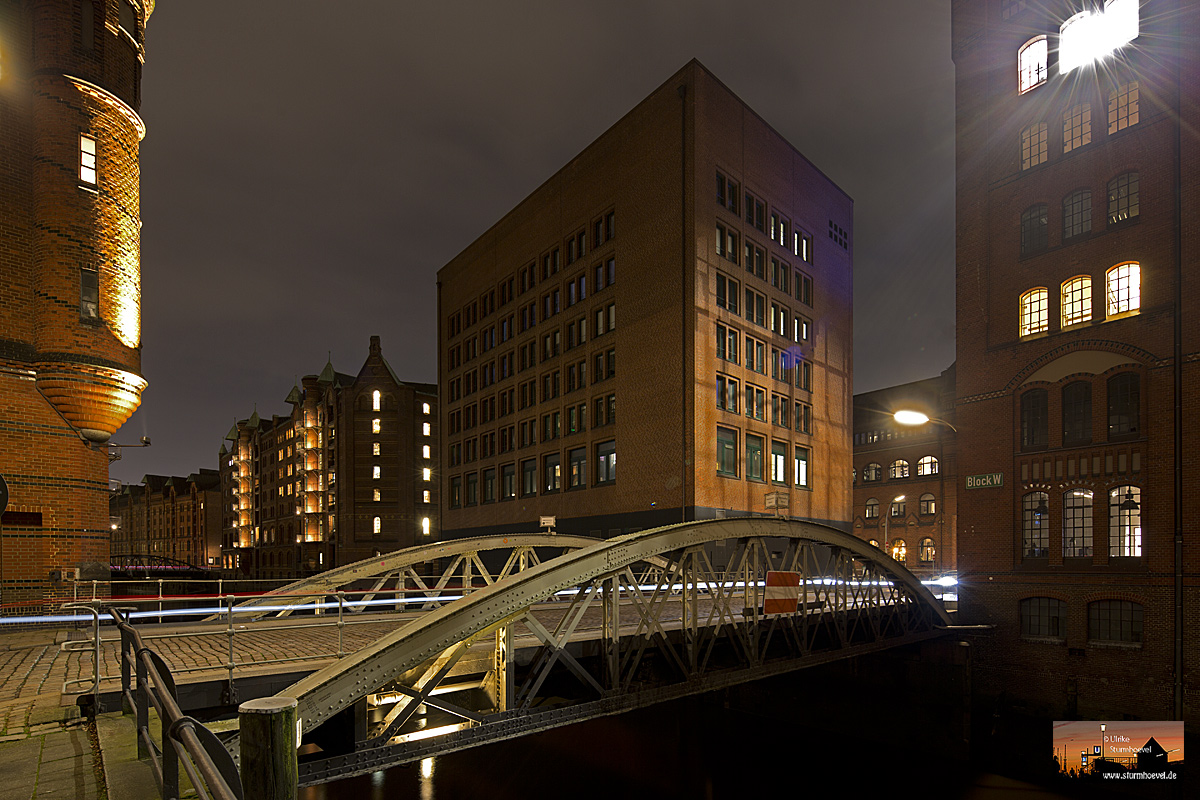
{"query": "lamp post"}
{"type": "Point", "coordinates": [897, 499]}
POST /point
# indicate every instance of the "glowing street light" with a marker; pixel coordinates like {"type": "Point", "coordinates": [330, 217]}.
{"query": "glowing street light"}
{"type": "Point", "coordinates": [907, 416]}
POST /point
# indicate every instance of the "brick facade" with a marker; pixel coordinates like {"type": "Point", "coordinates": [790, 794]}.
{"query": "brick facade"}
{"type": "Point", "coordinates": [1073, 558]}
{"type": "Point", "coordinates": [168, 516]}
{"type": "Point", "coordinates": [70, 336]}
{"type": "Point", "coordinates": [586, 323]}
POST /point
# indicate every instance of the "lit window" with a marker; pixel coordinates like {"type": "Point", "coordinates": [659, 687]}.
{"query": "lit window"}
{"type": "Point", "coordinates": [606, 462]}
{"type": "Point", "coordinates": [1124, 291]}
{"type": "Point", "coordinates": [928, 551]}
{"type": "Point", "coordinates": [426, 474]}
{"type": "Point", "coordinates": [928, 504]}
{"type": "Point", "coordinates": [1033, 145]}
{"type": "Point", "coordinates": [89, 294]}
{"type": "Point", "coordinates": [87, 159]}
{"type": "Point", "coordinates": [801, 467]}
{"type": "Point", "coordinates": [872, 509]}
{"type": "Point", "coordinates": [375, 400]}
{"type": "Point", "coordinates": [425, 496]}
{"type": "Point", "coordinates": [1123, 107]}
{"type": "Point", "coordinates": [375, 495]}
{"type": "Point", "coordinates": [872, 472]}
{"type": "Point", "coordinates": [1077, 523]}
{"type": "Point", "coordinates": [375, 472]}
{"type": "Point", "coordinates": [1035, 525]}
{"type": "Point", "coordinates": [899, 469]}
{"type": "Point", "coordinates": [1125, 522]}
{"type": "Point", "coordinates": [425, 429]}
{"type": "Point", "coordinates": [1123, 198]}
{"type": "Point", "coordinates": [899, 550]}
{"type": "Point", "coordinates": [376, 526]}
{"type": "Point", "coordinates": [425, 525]}
{"type": "Point", "coordinates": [1077, 126]}
{"type": "Point", "coordinates": [779, 462]}
{"type": "Point", "coordinates": [1088, 36]}
{"type": "Point", "coordinates": [1031, 63]}
{"type": "Point", "coordinates": [1114, 621]}
{"type": "Point", "coordinates": [1034, 229]}
{"type": "Point", "coordinates": [424, 408]}
{"type": "Point", "coordinates": [1035, 312]}
{"type": "Point", "coordinates": [898, 507]}
{"type": "Point", "coordinates": [1077, 214]}
{"type": "Point", "coordinates": [928, 465]}
{"type": "Point", "coordinates": [375, 425]}
{"type": "Point", "coordinates": [1076, 300]}
{"type": "Point", "coordinates": [425, 451]}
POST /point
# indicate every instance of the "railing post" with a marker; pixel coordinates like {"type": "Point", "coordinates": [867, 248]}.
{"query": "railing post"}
{"type": "Point", "coordinates": [141, 701]}
{"type": "Point", "coordinates": [231, 690]}
{"type": "Point", "coordinates": [341, 598]}
{"type": "Point", "coordinates": [160, 599]}
{"type": "Point", "coordinates": [94, 589]}
{"type": "Point", "coordinates": [269, 738]}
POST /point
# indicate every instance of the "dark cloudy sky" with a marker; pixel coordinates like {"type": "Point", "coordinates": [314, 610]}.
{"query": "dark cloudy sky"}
{"type": "Point", "coordinates": [309, 166]}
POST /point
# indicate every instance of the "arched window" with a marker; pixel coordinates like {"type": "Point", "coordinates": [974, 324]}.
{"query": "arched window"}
{"type": "Point", "coordinates": [1034, 228]}
{"type": "Point", "coordinates": [872, 472]}
{"type": "Point", "coordinates": [899, 550]}
{"type": "Point", "coordinates": [1114, 621]}
{"type": "Point", "coordinates": [1077, 214]}
{"type": "Point", "coordinates": [1077, 523]}
{"type": "Point", "coordinates": [1035, 311]}
{"type": "Point", "coordinates": [1124, 288]}
{"type": "Point", "coordinates": [1032, 59]}
{"type": "Point", "coordinates": [928, 465]}
{"type": "Point", "coordinates": [1033, 419]}
{"type": "Point", "coordinates": [1125, 522]}
{"type": "Point", "coordinates": [1044, 617]}
{"type": "Point", "coordinates": [1035, 525]}
{"type": "Point", "coordinates": [1124, 405]}
{"type": "Point", "coordinates": [898, 506]}
{"type": "Point", "coordinates": [1076, 300]}
{"type": "Point", "coordinates": [1123, 198]}
{"type": "Point", "coordinates": [375, 425]}
{"type": "Point", "coordinates": [899, 469]}
{"type": "Point", "coordinates": [375, 400]}
{"type": "Point", "coordinates": [928, 552]}
{"type": "Point", "coordinates": [872, 511]}
{"type": "Point", "coordinates": [928, 504]}
{"type": "Point", "coordinates": [375, 525]}
{"type": "Point", "coordinates": [1077, 412]}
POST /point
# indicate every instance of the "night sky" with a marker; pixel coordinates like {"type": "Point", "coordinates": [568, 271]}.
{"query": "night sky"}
{"type": "Point", "coordinates": [309, 166]}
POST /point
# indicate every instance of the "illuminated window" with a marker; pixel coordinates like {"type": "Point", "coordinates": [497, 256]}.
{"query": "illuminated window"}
{"type": "Point", "coordinates": [1077, 127]}
{"type": "Point", "coordinates": [425, 525]}
{"type": "Point", "coordinates": [874, 543]}
{"type": "Point", "coordinates": [1089, 36]}
{"type": "Point", "coordinates": [425, 429]}
{"type": "Point", "coordinates": [375, 425]}
{"type": "Point", "coordinates": [779, 462]}
{"type": "Point", "coordinates": [1124, 288]}
{"type": "Point", "coordinates": [928, 465]}
{"type": "Point", "coordinates": [1043, 617]}
{"type": "Point", "coordinates": [1077, 523]}
{"type": "Point", "coordinates": [553, 472]}
{"type": "Point", "coordinates": [1034, 424]}
{"type": "Point", "coordinates": [1035, 312]}
{"type": "Point", "coordinates": [426, 474]}
{"type": "Point", "coordinates": [1125, 522]}
{"type": "Point", "coordinates": [1035, 525]}
{"type": "Point", "coordinates": [89, 294]}
{"type": "Point", "coordinates": [928, 504]}
{"type": "Point", "coordinates": [1077, 300]}
{"type": "Point", "coordinates": [1123, 107]}
{"type": "Point", "coordinates": [927, 551]}
{"type": "Point", "coordinates": [376, 526]}
{"type": "Point", "coordinates": [872, 472]}
{"type": "Point", "coordinates": [606, 462]}
{"type": "Point", "coordinates": [898, 508]}
{"type": "Point", "coordinates": [800, 468]}
{"type": "Point", "coordinates": [1031, 63]}
{"type": "Point", "coordinates": [87, 159]}
{"type": "Point", "coordinates": [1033, 145]}
{"type": "Point", "coordinates": [375, 472]}
{"type": "Point", "coordinates": [375, 495]}
{"type": "Point", "coordinates": [375, 400]}
{"type": "Point", "coordinates": [872, 509]}
{"type": "Point", "coordinates": [1115, 621]}
{"type": "Point", "coordinates": [424, 408]}
{"type": "Point", "coordinates": [899, 469]}
{"type": "Point", "coordinates": [1077, 214]}
{"type": "Point", "coordinates": [1077, 413]}
{"type": "Point", "coordinates": [425, 451]}
{"type": "Point", "coordinates": [1034, 229]}
{"type": "Point", "coordinates": [899, 550]}
{"type": "Point", "coordinates": [375, 448]}
{"type": "Point", "coordinates": [425, 496]}
{"type": "Point", "coordinates": [1123, 198]}
{"type": "Point", "coordinates": [1124, 404]}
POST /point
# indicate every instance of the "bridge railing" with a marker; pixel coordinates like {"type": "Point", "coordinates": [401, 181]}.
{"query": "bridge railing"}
{"type": "Point", "coordinates": [146, 682]}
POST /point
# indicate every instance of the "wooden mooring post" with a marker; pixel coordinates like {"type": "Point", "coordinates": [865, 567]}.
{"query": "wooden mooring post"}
{"type": "Point", "coordinates": [269, 738]}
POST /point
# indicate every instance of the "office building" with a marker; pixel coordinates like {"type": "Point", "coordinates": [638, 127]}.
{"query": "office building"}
{"type": "Point", "coordinates": [1077, 249]}
{"type": "Point", "coordinates": [678, 294]}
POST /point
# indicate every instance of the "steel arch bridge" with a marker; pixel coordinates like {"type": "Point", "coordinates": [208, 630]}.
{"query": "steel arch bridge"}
{"type": "Point", "coordinates": [514, 664]}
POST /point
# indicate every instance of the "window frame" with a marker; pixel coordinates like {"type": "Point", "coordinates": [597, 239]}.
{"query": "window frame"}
{"type": "Point", "coordinates": [1033, 64]}
{"type": "Point", "coordinates": [1034, 313]}
{"type": "Point", "coordinates": [1075, 301]}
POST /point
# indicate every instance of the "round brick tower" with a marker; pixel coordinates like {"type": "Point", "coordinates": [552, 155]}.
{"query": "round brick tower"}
{"type": "Point", "coordinates": [70, 293]}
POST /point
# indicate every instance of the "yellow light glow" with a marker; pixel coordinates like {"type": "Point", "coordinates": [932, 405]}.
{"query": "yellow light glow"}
{"type": "Point", "coordinates": [909, 417]}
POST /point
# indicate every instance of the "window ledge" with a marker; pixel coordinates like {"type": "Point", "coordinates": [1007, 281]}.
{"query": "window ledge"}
{"type": "Point", "coordinates": [1043, 639]}
{"type": "Point", "coordinates": [1106, 645]}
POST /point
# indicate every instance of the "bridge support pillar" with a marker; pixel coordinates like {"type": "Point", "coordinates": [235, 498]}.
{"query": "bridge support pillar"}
{"type": "Point", "coordinates": [269, 738]}
{"type": "Point", "coordinates": [502, 686]}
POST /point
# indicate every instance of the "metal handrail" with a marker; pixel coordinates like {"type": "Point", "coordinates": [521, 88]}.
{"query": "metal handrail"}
{"type": "Point", "coordinates": [185, 740]}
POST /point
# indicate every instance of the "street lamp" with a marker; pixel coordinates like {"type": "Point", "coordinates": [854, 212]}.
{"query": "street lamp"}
{"type": "Point", "coordinates": [907, 416]}
{"type": "Point", "coordinates": [897, 499]}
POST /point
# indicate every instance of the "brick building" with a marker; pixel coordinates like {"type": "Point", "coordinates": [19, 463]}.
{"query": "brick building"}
{"type": "Point", "coordinates": [70, 317]}
{"type": "Point", "coordinates": [905, 478]}
{"type": "Point", "coordinates": [1077, 190]}
{"type": "Point", "coordinates": [168, 516]}
{"type": "Point", "coordinates": [347, 474]}
{"type": "Point", "coordinates": [679, 292]}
